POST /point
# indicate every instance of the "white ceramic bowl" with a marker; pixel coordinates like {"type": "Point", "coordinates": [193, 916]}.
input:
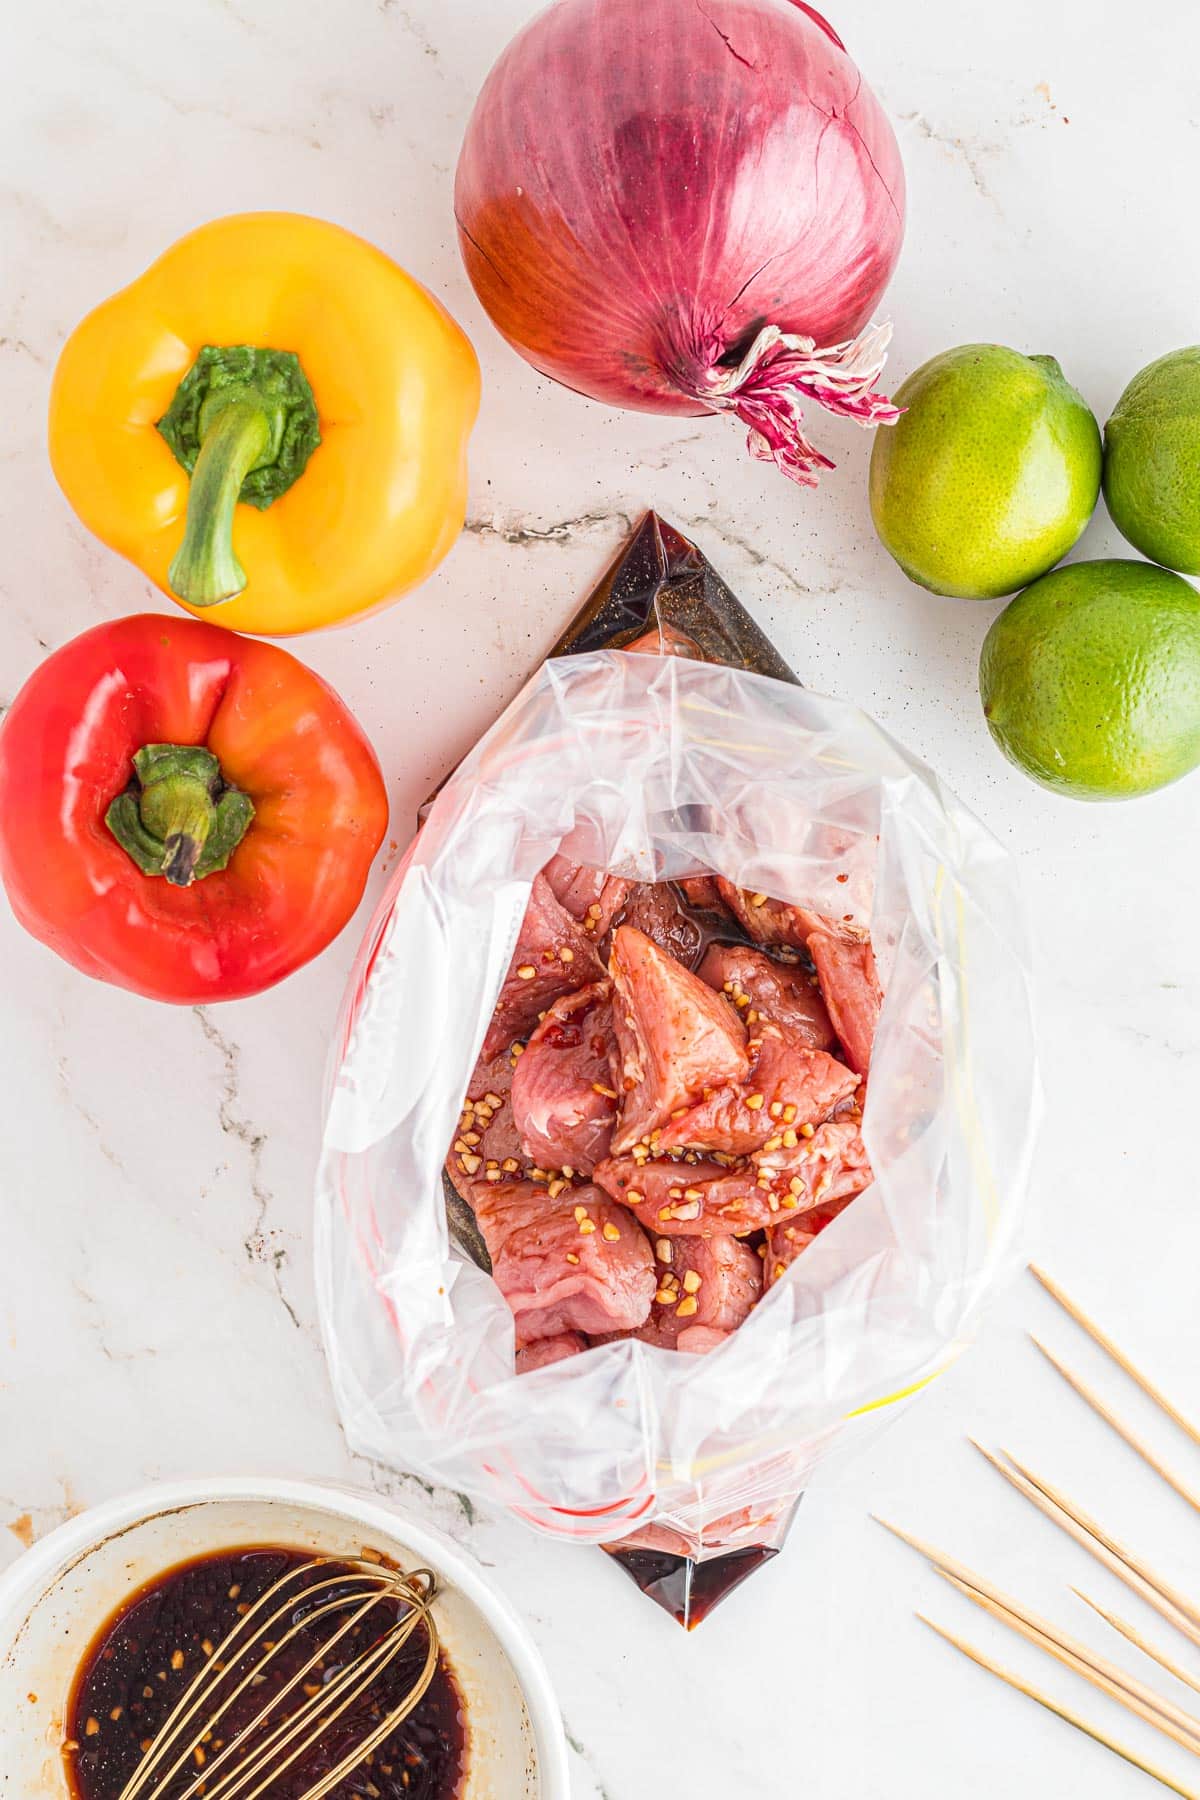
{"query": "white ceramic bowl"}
{"type": "Point", "coordinates": [55, 1598]}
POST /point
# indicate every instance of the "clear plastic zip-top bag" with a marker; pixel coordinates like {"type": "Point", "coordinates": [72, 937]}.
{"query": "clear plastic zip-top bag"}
{"type": "Point", "coordinates": [683, 1098]}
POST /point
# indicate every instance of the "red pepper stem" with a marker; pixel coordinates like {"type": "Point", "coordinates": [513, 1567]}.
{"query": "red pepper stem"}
{"type": "Point", "coordinates": [178, 818]}
{"type": "Point", "coordinates": [236, 436]}
{"type": "Point", "coordinates": [179, 811]}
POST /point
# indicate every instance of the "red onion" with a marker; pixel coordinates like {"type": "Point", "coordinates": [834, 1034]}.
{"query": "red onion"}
{"type": "Point", "coordinates": [688, 206]}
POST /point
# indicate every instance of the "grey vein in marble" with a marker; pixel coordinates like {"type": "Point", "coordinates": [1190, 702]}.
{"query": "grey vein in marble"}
{"type": "Point", "coordinates": [16, 346]}
{"type": "Point", "coordinates": [454, 1512]}
{"type": "Point", "coordinates": [971, 150]}
{"type": "Point", "coordinates": [97, 1324]}
{"type": "Point", "coordinates": [63, 1070]}
{"type": "Point", "coordinates": [416, 31]}
{"type": "Point", "coordinates": [579, 1748]}
{"type": "Point", "coordinates": [257, 1240]}
{"type": "Point", "coordinates": [523, 533]}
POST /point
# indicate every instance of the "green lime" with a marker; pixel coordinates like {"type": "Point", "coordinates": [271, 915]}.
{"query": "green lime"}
{"type": "Point", "coordinates": [990, 475]}
{"type": "Point", "coordinates": [1091, 679]}
{"type": "Point", "coordinates": [1152, 461]}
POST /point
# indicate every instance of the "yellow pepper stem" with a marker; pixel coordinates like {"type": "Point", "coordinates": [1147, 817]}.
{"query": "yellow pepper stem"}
{"type": "Point", "coordinates": [243, 424]}
{"type": "Point", "coordinates": [205, 570]}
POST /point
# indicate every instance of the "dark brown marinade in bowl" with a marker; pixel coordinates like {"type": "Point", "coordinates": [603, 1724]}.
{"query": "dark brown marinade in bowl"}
{"type": "Point", "coordinates": [146, 1656]}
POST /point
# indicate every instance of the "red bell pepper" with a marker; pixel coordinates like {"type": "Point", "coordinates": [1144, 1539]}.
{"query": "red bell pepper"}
{"type": "Point", "coordinates": [184, 812]}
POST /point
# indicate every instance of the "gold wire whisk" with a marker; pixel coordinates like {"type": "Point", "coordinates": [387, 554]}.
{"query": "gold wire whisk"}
{"type": "Point", "coordinates": [281, 1735]}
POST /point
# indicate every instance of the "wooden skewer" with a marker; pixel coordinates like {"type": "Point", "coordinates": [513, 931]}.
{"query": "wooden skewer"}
{"type": "Point", "coordinates": [1181, 1726]}
{"type": "Point", "coordinates": [1177, 1599]}
{"type": "Point", "coordinates": [1118, 1355]}
{"type": "Point", "coordinates": [1139, 1642]}
{"type": "Point", "coordinates": [1143, 1449]}
{"type": "Point", "coordinates": [1142, 1583]}
{"type": "Point", "coordinates": [1173, 1721]}
{"type": "Point", "coordinates": [1062, 1712]}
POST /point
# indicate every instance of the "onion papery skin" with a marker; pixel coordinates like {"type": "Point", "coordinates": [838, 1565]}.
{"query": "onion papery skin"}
{"type": "Point", "coordinates": [645, 184]}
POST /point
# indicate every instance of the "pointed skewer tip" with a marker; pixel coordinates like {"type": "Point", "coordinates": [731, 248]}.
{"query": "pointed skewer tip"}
{"type": "Point", "coordinates": [906, 1537]}
{"type": "Point", "coordinates": [1055, 1361]}
{"type": "Point", "coordinates": [992, 1456]}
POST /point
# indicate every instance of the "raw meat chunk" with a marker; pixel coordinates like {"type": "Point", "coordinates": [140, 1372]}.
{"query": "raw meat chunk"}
{"type": "Point", "coordinates": [785, 1242]}
{"type": "Point", "coordinates": [833, 1162]}
{"type": "Point", "coordinates": [845, 967]}
{"type": "Point", "coordinates": [676, 1037]}
{"type": "Point", "coordinates": [486, 1147]}
{"type": "Point", "coordinates": [698, 1340]}
{"type": "Point", "coordinates": [563, 1088]}
{"type": "Point", "coordinates": [702, 891]}
{"type": "Point", "coordinates": [784, 993]}
{"type": "Point", "coordinates": [553, 956]}
{"type": "Point", "coordinates": [574, 1261]}
{"type": "Point", "coordinates": [574, 885]}
{"type": "Point", "coordinates": [765, 920]}
{"type": "Point", "coordinates": [544, 1351]}
{"type": "Point", "coordinates": [654, 908]}
{"type": "Point", "coordinates": [704, 1106]}
{"type": "Point", "coordinates": [789, 1086]}
{"type": "Point", "coordinates": [590, 895]}
{"type": "Point", "coordinates": [842, 954]}
{"type": "Point", "coordinates": [675, 1198]}
{"type": "Point", "coordinates": [704, 1284]}
{"type": "Point", "coordinates": [692, 1199]}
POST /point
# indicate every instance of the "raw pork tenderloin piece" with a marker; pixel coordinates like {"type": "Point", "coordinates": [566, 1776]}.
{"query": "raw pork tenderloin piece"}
{"type": "Point", "coordinates": [554, 955]}
{"type": "Point", "coordinates": [676, 1037]}
{"type": "Point", "coordinates": [569, 1261]}
{"type": "Point", "coordinates": [563, 1088]}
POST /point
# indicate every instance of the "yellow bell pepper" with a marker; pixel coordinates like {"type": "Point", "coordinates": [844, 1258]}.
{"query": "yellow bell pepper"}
{"type": "Point", "coordinates": [271, 422]}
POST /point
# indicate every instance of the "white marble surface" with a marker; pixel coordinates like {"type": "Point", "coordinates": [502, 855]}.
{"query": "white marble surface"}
{"type": "Point", "coordinates": [156, 1165]}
